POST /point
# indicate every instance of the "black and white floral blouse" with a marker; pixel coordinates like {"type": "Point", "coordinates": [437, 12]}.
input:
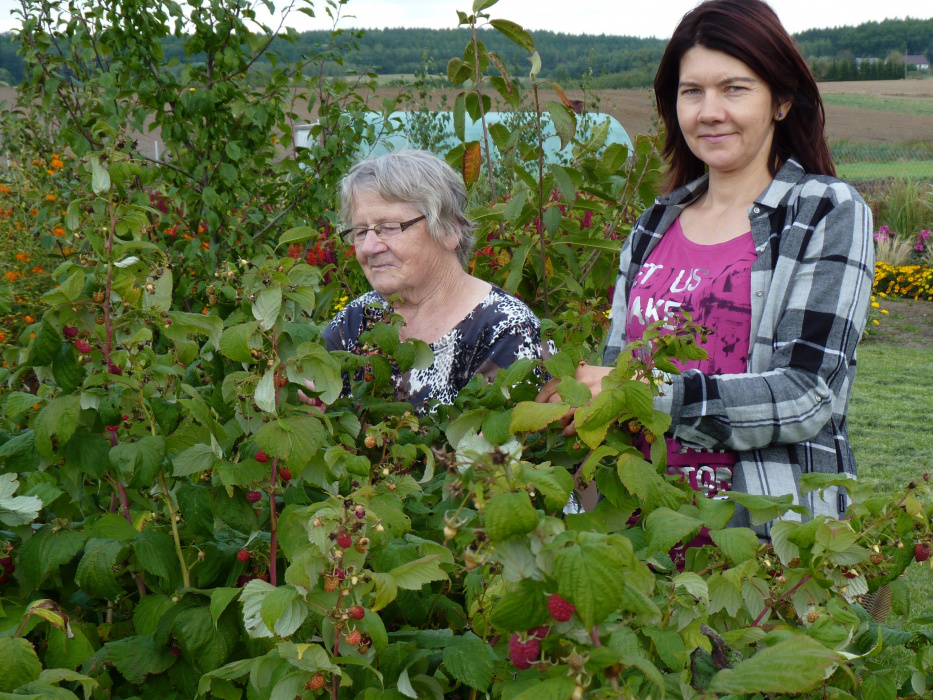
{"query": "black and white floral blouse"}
{"type": "Point", "coordinates": [498, 331]}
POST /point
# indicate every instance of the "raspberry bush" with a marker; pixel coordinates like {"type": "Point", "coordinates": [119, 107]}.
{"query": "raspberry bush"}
{"type": "Point", "coordinates": [174, 523]}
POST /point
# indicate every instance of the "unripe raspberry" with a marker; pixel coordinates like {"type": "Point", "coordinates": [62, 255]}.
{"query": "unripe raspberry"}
{"type": "Point", "coordinates": [354, 638]}
{"type": "Point", "coordinates": [813, 616]}
{"type": "Point", "coordinates": [650, 438]}
{"type": "Point", "coordinates": [344, 541]}
{"type": "Point", "coordinates": [82, 346]}
{"type": "Point", "coordinates": [362, 545]}
{"type": "Point", "coordinates": [98, 297]}
{"type": "Point", "coordinates": [876, 559]}
{"type": "Point", "coordinates": [261, 457]}
{"type": "Point", "coordinates": [357, 612]}
{"type": "Point", "coordinates": [242, 555]}
{"type": "Point", "coordinates": [317, 682]}
{"type": "Point", "coordinates": [370, 442]}
{"type": "Point", "coordinates": [560, 609]}
{"type": "Point", "coordinates": [331, 583]}
{"type": "Point", "coordinates": [253, 496]}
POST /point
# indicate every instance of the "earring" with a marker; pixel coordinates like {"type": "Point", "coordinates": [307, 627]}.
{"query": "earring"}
{"type": "Point", "coordinates": [780, 115]}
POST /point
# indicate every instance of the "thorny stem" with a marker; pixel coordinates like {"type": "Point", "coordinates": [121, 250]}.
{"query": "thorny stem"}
{"type": "Point", "coordinates": [478, 89]}
{"type": "Point", "coordinates": [185, 573]}
{"type": "Point", "coordinates": [274, 541]}
{"type": "Point", "coordinates": [124, 501]}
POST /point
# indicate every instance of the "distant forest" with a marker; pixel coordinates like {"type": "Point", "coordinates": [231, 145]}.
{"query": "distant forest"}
{"type": "Point", "coordinates": [604, 61]}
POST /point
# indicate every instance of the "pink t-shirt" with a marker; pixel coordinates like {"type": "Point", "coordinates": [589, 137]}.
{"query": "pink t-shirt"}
{"type": "Point", "coordinates": [713, 283]}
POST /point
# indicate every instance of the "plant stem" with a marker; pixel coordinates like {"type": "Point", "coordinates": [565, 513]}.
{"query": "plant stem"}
{"type": "Point", "coordinates": [185, 573]}
{"type": "Point", "coordinates": [273, 520]}
{"type": "Point", "coordinates": [780, 598]}
{"type": "Point", "coordinates": [540, 220]}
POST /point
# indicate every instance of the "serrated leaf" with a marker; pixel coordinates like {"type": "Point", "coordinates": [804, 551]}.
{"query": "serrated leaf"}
{"type": "Point", "coordinates": [514, 32]}
{"type": "Point", "coordinates": [666, 528]}
{"type": "Point", "coordinates": [220, 599]}
{"type": "Point", "coordinates": [55, 424]}
{"type": "Point", "coordinates": [100, 178]}
{"type": "Point", "coordinates": [295, 439]}
{"type": "Point", "coordinates": [160, 299]}
{"type": "Point", "coordinates": [95, 573]}
{"type": "Point", "coordinates": [590, 577]}
{"type": "Point", "coordinates": [137, 657]}
{"type": "Point", "coordinates": [530, 416]}
{"type": "Point", "coordinates": [235, 341]}
{"type": "Point", "coordinates": [386, 590]}
{"type": "Point", "coordinates": [42, 555]}
{"type": "Point", "coordinates": [564, 120]}
{"type": "Point", "coordinates": [559, 688]}
{"type": "Point", "coordinates": [739, 544]}
{"type": "Point", "coordinates": [16, 510]}
{"type": "Point", "coordinates": [267, 306]}
{"type": "Point", "coordinates": [763, 509]}
{"type": "Point", "coordinates": [210, 326]}
{"type": "Point", "coordinates": [795, 665]}
{"type": "Point", "coordinates": [523, 607]}
{"type": "Point", "coordinates": [155, 553]}
{"type": "Point", "coordinates": [19, 664]}
{"type": "Point", "coordinates": [194, 460]}
{"type": "Point", "coordinates": [45, 346]}
{"type": "Point", "coordinates": [419, 572]}
{"type": "Point", "coordinates": [265, 392]}
{"type": "Point", "coordinates": [508, 515]}
{"type": "Point", "coordinates": [467, 659]}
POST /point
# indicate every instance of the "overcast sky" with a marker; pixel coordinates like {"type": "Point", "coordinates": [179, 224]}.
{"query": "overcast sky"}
{"type": "Point", "coordinates": [631, 17]}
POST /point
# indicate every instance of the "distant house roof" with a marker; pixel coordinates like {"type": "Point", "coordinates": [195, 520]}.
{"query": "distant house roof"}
{"type": "Point", "coordinates": [917, 59]}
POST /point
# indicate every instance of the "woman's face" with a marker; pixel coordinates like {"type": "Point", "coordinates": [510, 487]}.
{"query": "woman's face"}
{"type": "Point", "coordinates": [726, 112]}
{"type": "Point", "coordinates": [408, 263]}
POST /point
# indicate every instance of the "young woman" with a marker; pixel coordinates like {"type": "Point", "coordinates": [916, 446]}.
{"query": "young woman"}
{"type": "Point", "coordinates": [759, 241]}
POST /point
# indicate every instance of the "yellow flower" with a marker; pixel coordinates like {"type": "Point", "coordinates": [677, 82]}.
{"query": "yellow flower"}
{"type": "Point", "coordinates": [875, 305]}
{"type": "Point", "coordinates": [876, 322]}
{"type": "Point", "coordinates": [884, 311]}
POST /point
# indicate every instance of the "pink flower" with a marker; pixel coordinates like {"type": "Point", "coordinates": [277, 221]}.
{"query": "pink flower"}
{"type": "Point", "coordinates": [924, 236]}
{"type": "Point", "coordinates": [919, 247]}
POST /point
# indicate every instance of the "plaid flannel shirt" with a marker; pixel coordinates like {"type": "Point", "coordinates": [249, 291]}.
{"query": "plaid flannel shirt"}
{"type": "Point", "coordinates": [810, 294]}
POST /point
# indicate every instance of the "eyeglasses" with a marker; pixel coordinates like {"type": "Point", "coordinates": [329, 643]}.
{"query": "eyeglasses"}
{"type": "Point", "coordinates": [387, 229]}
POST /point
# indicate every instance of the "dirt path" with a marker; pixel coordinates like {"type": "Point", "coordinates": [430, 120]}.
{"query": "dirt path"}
{"type": "Point", "coordinates": [907, 324]}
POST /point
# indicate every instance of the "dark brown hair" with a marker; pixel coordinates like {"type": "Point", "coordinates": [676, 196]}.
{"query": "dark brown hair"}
{"type": "Point", "coordinates": [751, 32]}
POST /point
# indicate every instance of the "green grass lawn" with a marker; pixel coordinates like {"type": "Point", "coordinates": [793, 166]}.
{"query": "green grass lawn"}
{"type": "Point", "coordinates": [920, 106]}
{"type": "Point", "coordinates": [869, 170]}
{"type": "Point", "coordinates": [890, 413]}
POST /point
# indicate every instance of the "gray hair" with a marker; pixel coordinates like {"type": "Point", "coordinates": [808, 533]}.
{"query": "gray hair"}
{"type": "Point", "coordinates": [418, 178]}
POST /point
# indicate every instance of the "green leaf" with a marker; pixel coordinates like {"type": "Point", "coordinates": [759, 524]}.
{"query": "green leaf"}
{"type": "Point", "coordinates": [68, 650]}
{"type": "Point", "coordinates": [877, 687]}
{"type": "Point", "coordinates": [210, 326]}
{"type": "Point", "coordinates": [509, 514]}
{"type": "Point", "coordinates": [95, 573]}
{"type": "Point", "coordinates": [100, 178]}
{"type": "Point", "coordinates": [160, 299]}
{"type": "Point", "coordinates": [530, 416]}
{"type": "Point", "coordinates": [523, 607]}
{"type": "Point", "coordinates": [155, 552]}
{"type": "Point", "coordinates": [514, 33]}
{"type": "Point", "coordinates": [137, 657]}
{"type": "Point", "coordinates": [67, 372]}
{"type": "Point", "coordinates": [724, 595]}
{"type": "Point", "coordinates": [138, 463]}
{"type": "Point", "coordinates": [739, 544]}
{"type": "Point", "coordinates": [55, 424]}
{"type": "Point", "coordinates": [45, 346]}
{"type": "Point", "coordinates": [564, 120]}
{"type": "Point", "coordinates": [194, 460]}
{"type": "Point", "coordinates": [275, 604]}
{"type": "Point", "coordinates": [555, 483]}
{"type": "Point", "coordinates": [295, 439]}
{"type": "Point", "coordinates": [386, 590]}
{"type": "Point", "coordinates": [666, 528]}
{"type": "Point", "coordinates": [564, 182]}
{"type": "Point", "coordinates": [113, 526]}
{"type": "Point", "coordinates": [235, 341]}
{"type": "Point", "coordinates": [220, 599]}
{"type": "Point", "coordinates": [559, 688]}
{"type": "Point", "coordinates": [42, 554]}
{"type": "Point", "coordinates": [480, 5]}
{"type": "Point", "coordinates": [468, 660]}
{"type": "Point", "coordinates": [16, 510]}
{"type": "Point", "coordinates": [715, 512]}
{"type": "Point", "coordinates": [419, 572]}
{"type": "Point", "coordinates": [265, 392]}
{"type": "Point", "coordinates": [591, 577]}
{"type": "Point", "coordinates": [795, 665]}
{"type": "Point", "coordinates": [19, 664]}
{"type": "Point", "coordinates": [763, 509]}
{"type": "Point", "coordinates": [296, 234]}
{"type": "Point", "coordinates": [267, 306]}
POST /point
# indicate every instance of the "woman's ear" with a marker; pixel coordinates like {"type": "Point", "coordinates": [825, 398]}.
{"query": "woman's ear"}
{"type": "Point", "coordinates": [782, 109]}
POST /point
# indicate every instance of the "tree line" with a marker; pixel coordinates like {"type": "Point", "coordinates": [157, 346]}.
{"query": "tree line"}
{"type": "Point", "coordinates": [604, 61]}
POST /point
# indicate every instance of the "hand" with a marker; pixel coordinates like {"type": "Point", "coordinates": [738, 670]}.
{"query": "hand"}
{"type": "Point", "coordinates": [590, 375]}
{"type": "Point", "coordinates": [312, 401]}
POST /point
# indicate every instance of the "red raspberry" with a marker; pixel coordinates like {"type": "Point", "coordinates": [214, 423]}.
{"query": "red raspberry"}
{"type": "Point", "coordinates": [357, 612]}
{"type": "Point", "coordinates": [253, 496]}
{"type": "Point", "coordinates": [6, 561]}
{"type": "Point", "coordinates": [560, 609]}
{"type": "Point", "coordinates": [340, 574]}
{"type": "Point", "coordinates": [82, 346]}
{"type": "Point", "coordinates": [242, 555]}
{"type": "Point", "coordinates": [261, 456]}
{"type": "Point", "coordinates": [176, 651]}
{"type": "Point", "coordinates": [345, 542]}
{"type": "Point", "coordinates": [850, 573]}
{"type": "Point", "coordinates": [354, 638]}
{"type": "Point", "coordinates": [4, 578]}
{"type": "Point", "coordinates": [243, 580]}
{"type": "Point", "coordinates": [112, 428]}
{"type": "Point", "coordinates": [9, 568]}
{"type": "Point", "coordinates": [922, 551]}
{"type": "Point", "coordinates": [538, 632]}
{"type": "Point", "coordinates": [70, 331]}
{"type": "Point", "coordinates": [317, 681]}
{"type": "Point", "coordinates": [114, 369]}
{"type": "Point", "coordinates": [285, 473]}
{"type": "Point", "coordinates": [523, 653]}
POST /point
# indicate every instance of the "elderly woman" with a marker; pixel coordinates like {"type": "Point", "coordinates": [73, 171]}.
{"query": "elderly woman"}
{"type": "Point", "coordinates": [405, 217]}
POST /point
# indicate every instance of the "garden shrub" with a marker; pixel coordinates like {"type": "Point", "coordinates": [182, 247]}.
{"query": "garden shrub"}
{"type": "Point", "coordinates": [176, 524]}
